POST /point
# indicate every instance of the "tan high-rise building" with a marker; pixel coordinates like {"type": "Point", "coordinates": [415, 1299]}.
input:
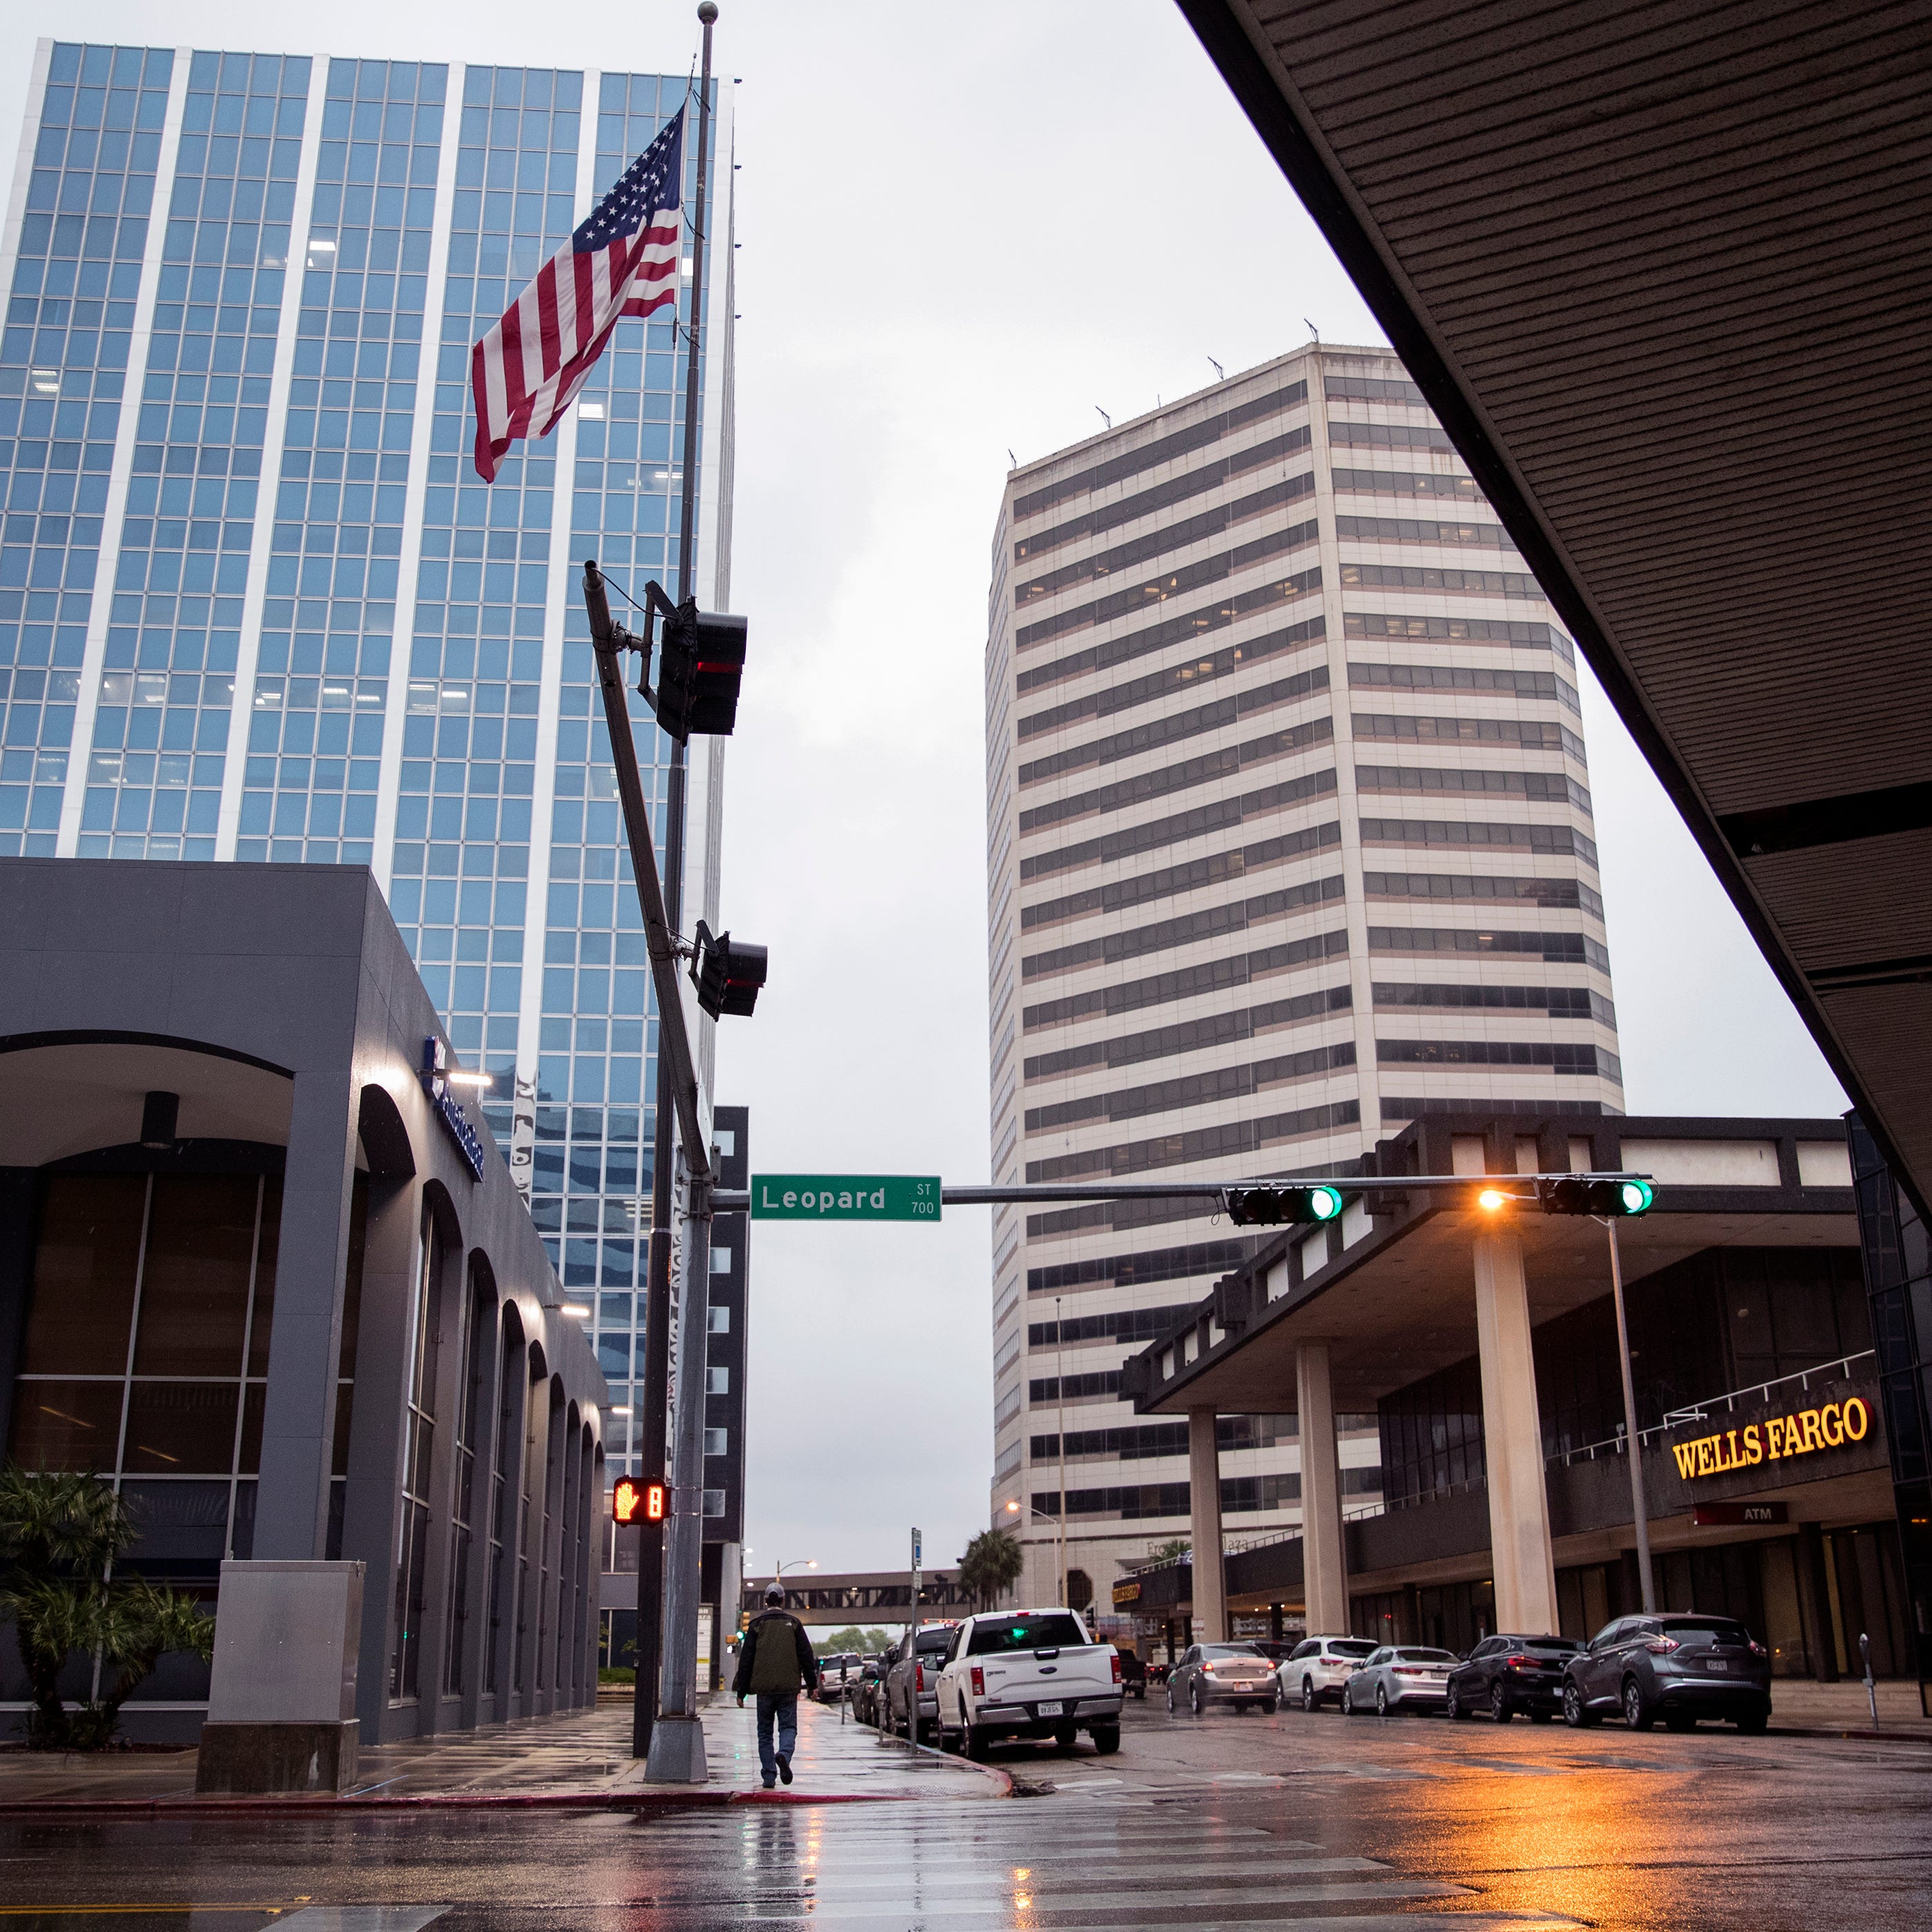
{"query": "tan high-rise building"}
{"type": "Point", "coordinates": [1289, 841]}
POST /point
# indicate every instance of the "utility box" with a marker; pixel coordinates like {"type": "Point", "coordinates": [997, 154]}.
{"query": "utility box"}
{"type": "Point", "coordinates": [281, 1706]}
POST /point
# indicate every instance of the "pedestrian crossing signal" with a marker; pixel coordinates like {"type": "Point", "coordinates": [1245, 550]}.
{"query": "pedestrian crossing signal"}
{"type": "Point", "coordinates": [633, 1501]}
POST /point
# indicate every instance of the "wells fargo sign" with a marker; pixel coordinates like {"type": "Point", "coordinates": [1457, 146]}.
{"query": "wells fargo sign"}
{"type": "Point", "coordinates": [1828, 1427]}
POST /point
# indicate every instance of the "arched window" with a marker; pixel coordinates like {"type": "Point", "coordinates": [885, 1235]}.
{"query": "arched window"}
{"type": "Point", "coordinates": [413, 1551]}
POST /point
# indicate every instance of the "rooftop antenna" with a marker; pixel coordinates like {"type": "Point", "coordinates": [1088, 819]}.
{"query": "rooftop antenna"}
{"type": "Point", "coordinates": [1103, 415]}
{"type": "Point", "coordinates": [1312, 330]}
{"type": "Point", "coordinates": [1220, 374]}
{"type": "Point", "coordinates": [1013, 461]}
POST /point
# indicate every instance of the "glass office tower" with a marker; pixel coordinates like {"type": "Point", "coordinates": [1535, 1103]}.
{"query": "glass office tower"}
{"type": "Point", "coordinates": [255, 603]}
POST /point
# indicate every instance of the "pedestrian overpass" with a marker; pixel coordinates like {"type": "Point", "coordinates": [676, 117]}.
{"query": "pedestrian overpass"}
{"type": "Point", "coordinates": [881, 1597]}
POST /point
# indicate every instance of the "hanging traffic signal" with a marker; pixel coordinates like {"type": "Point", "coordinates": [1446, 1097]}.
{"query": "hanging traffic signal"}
{"type": "Point", "coordinates": [1271, 1206]}
{"type": "Point", "coordinates": [701, 663]}
{"type": "Point", "coordinates": [1577, 1194]}
{"type": "Point", "coordinates": [726, 972]}
{"type": "Point", "coordinates": [635, 1500]}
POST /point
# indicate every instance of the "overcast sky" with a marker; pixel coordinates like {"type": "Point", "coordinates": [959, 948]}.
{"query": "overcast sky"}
{"type": "Point", "coordinates": [963, 230]}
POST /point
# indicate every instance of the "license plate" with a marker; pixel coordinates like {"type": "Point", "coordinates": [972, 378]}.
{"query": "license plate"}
{"type": "Point", "coordinates": [1052, 1710]}
{"type": "Point", "coordinates": [1716, 1663]}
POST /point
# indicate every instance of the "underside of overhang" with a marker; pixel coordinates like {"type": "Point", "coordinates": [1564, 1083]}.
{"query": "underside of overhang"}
{"type": "Point", "coordinates": [1407, 1307]}
{"type": "Point", "coordinates": [1662, 270]}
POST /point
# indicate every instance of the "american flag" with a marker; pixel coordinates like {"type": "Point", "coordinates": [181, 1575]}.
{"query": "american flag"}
{"type": "Point", "coordinates": [623, 261]}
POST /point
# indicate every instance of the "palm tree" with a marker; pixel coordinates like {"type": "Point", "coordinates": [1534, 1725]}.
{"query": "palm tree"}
{"type": "Point", "coordinates": [991, 1564]}
{"type": "Point", "coordinates": [60, 1531]}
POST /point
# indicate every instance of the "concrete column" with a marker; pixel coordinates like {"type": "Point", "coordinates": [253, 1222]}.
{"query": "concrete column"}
{"type": "Point", "coordinates": [1323, 1564]}
{"type": "Point", "coordinates": [298, 1420]}
{"type": "Point", "coordinates": [1204, 1481]}
{"type": "Point", "coordinates": [1525, 1570]}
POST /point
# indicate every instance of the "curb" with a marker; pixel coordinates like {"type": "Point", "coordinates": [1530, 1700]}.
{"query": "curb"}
{"type": "Point", "coordinates": [544, 1801]}
{"type": "Point", "coordinates": [1874, 1737]}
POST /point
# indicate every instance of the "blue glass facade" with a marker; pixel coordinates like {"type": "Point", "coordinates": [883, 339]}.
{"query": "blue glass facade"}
{"type": "Point", "coordinates": [254, 602]}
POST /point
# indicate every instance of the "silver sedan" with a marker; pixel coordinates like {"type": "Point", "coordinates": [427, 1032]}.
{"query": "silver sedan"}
{"type": "Point", "coordinates": [1399, 1678]}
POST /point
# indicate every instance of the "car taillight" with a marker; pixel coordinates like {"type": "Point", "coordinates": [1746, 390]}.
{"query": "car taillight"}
{"type": "Point", "coordinates": [1662, 1644]}
{"type": "Point", "coordinates": [1209, 1668]}
{"type": "Point", "coordinates": [1117, 1666]}
{"type": "Point", "coordinates": [1758, 1649]}
{"type": "Point", "coordinates": [919, 1677]}
{"type": "Point", "coordinates": [1410, 1670]}
{"type": "Point", "coordinates": [979, 1681]}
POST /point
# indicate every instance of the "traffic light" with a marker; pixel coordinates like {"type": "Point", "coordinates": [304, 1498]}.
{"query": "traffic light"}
{"type": "Point", "coordinates": [728, 974]}
{"type": "Point", "coordinates": [701, 662]}
{"type": "Point", "coordinates": [1271, 1207]}
{"type": "Point", "coordinates": [1575, 1194]}
{"type": "Point", "coordinates": [634, 1500]}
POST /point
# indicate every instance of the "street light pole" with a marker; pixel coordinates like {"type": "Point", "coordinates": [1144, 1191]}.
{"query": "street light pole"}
{"type": "Point", "coordinates": [651, 1607]}
{"type": "Point", "coordinates": [1060, 1388]}
{"type": "Point", "coordinates": [1632, 1447]}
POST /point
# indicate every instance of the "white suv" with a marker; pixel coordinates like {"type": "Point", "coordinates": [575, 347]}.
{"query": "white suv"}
{"type": "Point", "coordinates": [1314, 1672]}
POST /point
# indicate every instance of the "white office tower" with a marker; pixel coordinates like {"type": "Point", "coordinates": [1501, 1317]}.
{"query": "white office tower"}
{"type": "Point", "coordinates": [1289, 841]}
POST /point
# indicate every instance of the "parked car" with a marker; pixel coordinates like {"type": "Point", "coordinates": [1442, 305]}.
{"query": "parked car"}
{"type": "Point", "coordinates": [1133, 1673]}
{"type": "Point", "coordinates": [1680, 1667]}
{"type": "Point", "coordinates": [1504, 1675]}
{"type": "Point", "coordinates": [865, 1689]}
{"type": "Point", "coordinates": [1398, 1677]}
{"type": "Point", "coordinates": [1316, 1669]}
{"type": "Point", "coordinates": [836, 1675]}
{"type": "Point", "coordinates": [1223, 1673]}
{"type": "Point", "coordinates": [915, 1674]}
{"type": "Point", "coordinates": [1028, 1674]}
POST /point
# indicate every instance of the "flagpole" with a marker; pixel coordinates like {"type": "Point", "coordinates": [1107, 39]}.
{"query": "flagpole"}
{"type": "Point", "coordinates": [654, 1613]}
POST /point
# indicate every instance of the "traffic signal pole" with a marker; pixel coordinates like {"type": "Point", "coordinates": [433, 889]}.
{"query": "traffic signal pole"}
{"type": "Point", "coordinates": [656, 1402]}
{"type": "Point", "coordinates": [1633, 1444]}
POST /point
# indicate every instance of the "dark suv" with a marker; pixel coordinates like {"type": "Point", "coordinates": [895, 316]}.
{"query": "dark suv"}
{"type": "Point", "coordinates": [1679, 1667]}
{"type": "Point", "coordinates": [1504, 1675]}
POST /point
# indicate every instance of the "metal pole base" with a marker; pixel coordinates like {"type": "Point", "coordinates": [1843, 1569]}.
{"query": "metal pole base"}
{"type": "Point", "coordinates": [677, 1752]}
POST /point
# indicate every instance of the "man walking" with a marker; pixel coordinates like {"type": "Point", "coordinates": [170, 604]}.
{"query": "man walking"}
{"type": "Point", "coordinates": [775, 1662]}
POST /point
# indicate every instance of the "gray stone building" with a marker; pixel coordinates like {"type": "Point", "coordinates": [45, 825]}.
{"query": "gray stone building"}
{"type": "Point", "coordinates": [262, 1267]}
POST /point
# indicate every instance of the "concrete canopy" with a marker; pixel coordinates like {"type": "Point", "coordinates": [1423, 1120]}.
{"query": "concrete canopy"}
{"type": "Point", "coordinates": [1662, 271]}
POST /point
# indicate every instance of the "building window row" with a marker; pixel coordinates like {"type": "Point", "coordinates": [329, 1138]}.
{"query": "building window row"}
{"type": "Point", "coordinates": [1196, 482]}
{"type": "Point", "coordinates": [1531, 734]}
{"type": "Point", "coordinates": [1211, 922]}
{"type": "Point", "coordinates": [1200, 528]}
{"type": "Point", "coordinates": [1163, 449]}
{"type": "Point", "coordinates": [1169, 682]}
{"type": "Point", "coordinates": [1121, 1325]}
{"type": "Point", "coordinates": [1417, 530]}
{"type": "Point", "coordinates": [1194, 1089]}
{"type": "Point", "coordinates": [1537, 787]}
{"type": "Point", "coordinates": [1205, 768]}
{"type": "Point", "coordinates": [1560, 1057]}
{"type": "Point", "coordinates": [1194, 824]}
{"type": "Point", "coordinates": [1455, 487]}
{"type": "Point", "coordinates": [1131, 1271]}
{"type": "Point", "coordinates": [1568, 1003]}
{"type": "Point", "coordinates": [1389, 435]}
{"type": "Point", "coordinates": [1562, 840]}
{"type": "Point", "coordinates": [1174, 584]}
{"type": "Point", "coordinates": [1517, 634]}
{"type": "Point", "coordinates": [1190, 876]}
{"type": "Point", "coordinates": [1563, 948]}
{"type": "Point", "coordinates": [1213, 1029]}
{"type": "Point", "coordinates": [1184, 982]}
{"type": "Point", "coordinates": [1535, 684]}
{"type": "Point", "coordinates": [1182, 725]}
{"type": "Point", "coordinates": [1553, 895]}
{"type": "Point", "coordinates": [1230, 1140]}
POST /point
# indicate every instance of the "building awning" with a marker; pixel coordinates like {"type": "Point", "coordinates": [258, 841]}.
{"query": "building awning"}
{"type": "Point", "coordinates": [1663, 272]}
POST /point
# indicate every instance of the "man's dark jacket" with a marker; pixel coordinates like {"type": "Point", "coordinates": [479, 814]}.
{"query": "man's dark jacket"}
{"type": "Point", "coordinates": [775, 1658]}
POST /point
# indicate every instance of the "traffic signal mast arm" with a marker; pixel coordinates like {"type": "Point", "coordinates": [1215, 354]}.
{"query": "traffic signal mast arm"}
{"type": "Point", "coordinates": [1527, 1188]}
{"type": "Point", "coordinates": [611, 641]}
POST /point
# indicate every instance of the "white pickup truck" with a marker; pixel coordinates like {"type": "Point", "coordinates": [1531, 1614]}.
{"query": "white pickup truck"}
{"type": "Point", "coordinates": [1028, 1674]}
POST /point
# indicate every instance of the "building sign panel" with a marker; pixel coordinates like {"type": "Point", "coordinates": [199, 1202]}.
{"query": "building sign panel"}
{"type": "Point", "coordinates": [1831, 1425]}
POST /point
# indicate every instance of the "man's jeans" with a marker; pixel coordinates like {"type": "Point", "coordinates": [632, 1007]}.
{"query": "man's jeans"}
{"type": "Point", "coordinates": [784, 1710]}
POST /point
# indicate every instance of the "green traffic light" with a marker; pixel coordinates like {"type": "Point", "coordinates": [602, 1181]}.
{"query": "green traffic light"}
{"type": "Point", "coordinates": [1325, 1203]}
{"type": "Point", "coordinates": [1637, 1196]}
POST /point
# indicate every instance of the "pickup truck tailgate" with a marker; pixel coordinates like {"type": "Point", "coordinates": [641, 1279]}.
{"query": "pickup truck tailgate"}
{"type": "Point", "coordinates": [1029, 1676]}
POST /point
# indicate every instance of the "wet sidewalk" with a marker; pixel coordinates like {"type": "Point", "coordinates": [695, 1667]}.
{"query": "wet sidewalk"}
{"type": "Point", "coordinates": [584, 1759]}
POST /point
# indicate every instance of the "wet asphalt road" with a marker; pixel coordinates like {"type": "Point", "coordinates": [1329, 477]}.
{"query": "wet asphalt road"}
{"type": "Point", "coordinates": [1231, 1820]}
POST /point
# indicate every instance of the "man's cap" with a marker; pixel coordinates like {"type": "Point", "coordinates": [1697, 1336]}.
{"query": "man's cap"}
{"type": "Point", "coordinates": [774, 1591]}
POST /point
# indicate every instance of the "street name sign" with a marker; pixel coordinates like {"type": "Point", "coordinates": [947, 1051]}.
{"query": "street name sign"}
{"type": "Point", "coordinates": [845, 1197]}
